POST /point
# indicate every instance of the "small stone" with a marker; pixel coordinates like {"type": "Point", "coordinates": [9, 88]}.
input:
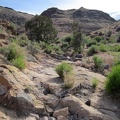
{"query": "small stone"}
{"type": "Point", "coordinates": [45, 118]}
{"type": "Point", "coordinates": [35, 115]}
{"type": "Point", "coordinates": [49, 110]}
{"type": "Point", "coordinates": [106, 66]}
{"type": "Point", "coordinates": [46, 91]}
{"type": "Point", "coordinates": [52, 101]}
{"type": "Point", "coordinates": [88, 103]}
{"type": "Point", "coordinates": [52, 118]}
{"type": "Point", "coordinates": [79, 56]}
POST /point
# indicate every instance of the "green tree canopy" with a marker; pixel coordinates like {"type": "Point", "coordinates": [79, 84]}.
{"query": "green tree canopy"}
{"type": "Point", "coordinates": [77, 38]}
{"type": "Point", "coordinates": [40, 28]}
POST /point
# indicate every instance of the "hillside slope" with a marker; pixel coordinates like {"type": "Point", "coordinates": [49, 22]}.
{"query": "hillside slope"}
{"type": "Point", "coordinates": [19, 18]}
{"type": "Point", "coordinates": [90, 20]}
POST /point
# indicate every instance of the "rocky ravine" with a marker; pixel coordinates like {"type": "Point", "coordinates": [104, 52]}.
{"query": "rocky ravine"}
{"type": "Point", "coordinates": [36, 94]}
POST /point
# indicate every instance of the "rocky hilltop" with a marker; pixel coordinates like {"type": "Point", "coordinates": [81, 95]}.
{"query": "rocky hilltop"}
{"type": "Point", "coordinates": [16, 17]}
{"type": "Point", "coordinates": [90, 20]}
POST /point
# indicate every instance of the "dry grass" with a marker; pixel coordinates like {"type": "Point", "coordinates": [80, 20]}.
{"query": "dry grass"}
{"type": "Point", "coordinates": [107, 58]}
{"type": "Point", "coordinates": [69, 79]}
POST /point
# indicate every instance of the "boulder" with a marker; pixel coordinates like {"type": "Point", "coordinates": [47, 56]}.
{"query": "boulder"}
{"type": "Point", "coordinates": [52, 101]}
{"type": "Point", "coordinates": [13, 96]}
{"type": "Point", "coordinates": [31, 58]}
{"type": "Point", "coordinates": [79, 56]}
{"type": "Point", "coordinates": [77, 107]}
{"type": "Point", "coordinates": [61, 112]}
{"type": "Point", "coordinates": [52, 88]}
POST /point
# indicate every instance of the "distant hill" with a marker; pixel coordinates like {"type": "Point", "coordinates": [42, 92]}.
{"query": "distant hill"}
{"type": "Point", "coordinates": [90, 20]}
{"type": "Point", "coordinates": [19, 18]}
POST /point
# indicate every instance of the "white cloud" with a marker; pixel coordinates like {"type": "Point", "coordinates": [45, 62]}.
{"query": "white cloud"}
{"type": "Point", "coordinates": [115, 15]}
{"type": "Point", "coordinates": [103, 5]}
{"type": "Point", "coordinates": [108, 6]}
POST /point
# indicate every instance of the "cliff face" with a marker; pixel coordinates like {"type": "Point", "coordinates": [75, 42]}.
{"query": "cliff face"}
{"type": "Point", "coordinates": [90, 20]}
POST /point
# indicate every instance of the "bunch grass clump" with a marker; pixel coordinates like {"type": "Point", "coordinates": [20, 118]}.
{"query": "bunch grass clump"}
{"type": "Point", "coordinates": [69, 79]}
{"type": "Point", "coordinates": [63, 67]}
{"type": "Point", "coordinates": [98, 64]}
{"type": "Point", "coordinates": [112, 84]}
{"type": "Point", "coordinates": [93, 50]}
{"type": "Point", "coordinates": [16, 56]}
{"type": "Point", "coordinates": [95, 82]}
{"type": "Point", "coordinates": [65, 71]}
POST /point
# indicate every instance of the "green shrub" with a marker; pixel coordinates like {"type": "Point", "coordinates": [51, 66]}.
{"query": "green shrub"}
{"type": "Point", "coordinates": [117, 60]}
{"type": "Point", "coordinates": [19, 63]}
{"type": "Point", "coordinates": [20, 40]}
{"type": "Point", "coordinates": [98, 64]}
{"type": "Point", "coordinates": [16, 56]}
{"type": "Point", "coordinates": [63, 67]}
{"type": "Point", "coordinates": [4, 50]}
{"type": "Point", "coordinates": [68, 39]}
{"type": "Point", "coordinates": [93, 50]}
{"type": "Point", "coordinates": [48, 49]}
{"type": "Point", "coordinates": [103, 48]}
{"type": "Point", "coordinates": [23, 37]}
{"type": "Point", "coordinates": [90, 43]}
{"type": "Point", "coordinates": [98, 38]}
{"type": "Point", "coordinates": [13, 26]}
{"type": "Point", "coordinates": [33, 48]}
{"type": "Point", "coordinates": [112, 84]}
{"type": "Point", "coordinates": [57, 49]}
{"type": "Point", "coordinates": [117, 48]}
{"type": "Point", "coordinates": [43, 45]}
{"type": "Point", "coordinates": [64, 45]}
{"type": "Point", "coordinates": [95, 82]}
{"type": "Point", "coordinates": [112, 39]}
{"type": "Point", "coordinates": [15, 51]}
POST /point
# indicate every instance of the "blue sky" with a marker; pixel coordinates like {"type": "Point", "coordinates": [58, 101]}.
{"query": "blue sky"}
{"type": "Point", "coordinates": [38, 6]}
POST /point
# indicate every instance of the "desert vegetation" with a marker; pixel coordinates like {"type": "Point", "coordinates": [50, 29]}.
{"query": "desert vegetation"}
{"type": "Point", "coordinates": [65, 71]}
{"type": "Point", "coordinates": [15, 55]}
{"type": "Point", "coordinates": [63, 67]}
{"type": "Point", "coordinates": [112, 84]}
{"type": "Point", "coordinates": [95, 82]}
{"type": "Point", "coordinates": [61, 70]}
